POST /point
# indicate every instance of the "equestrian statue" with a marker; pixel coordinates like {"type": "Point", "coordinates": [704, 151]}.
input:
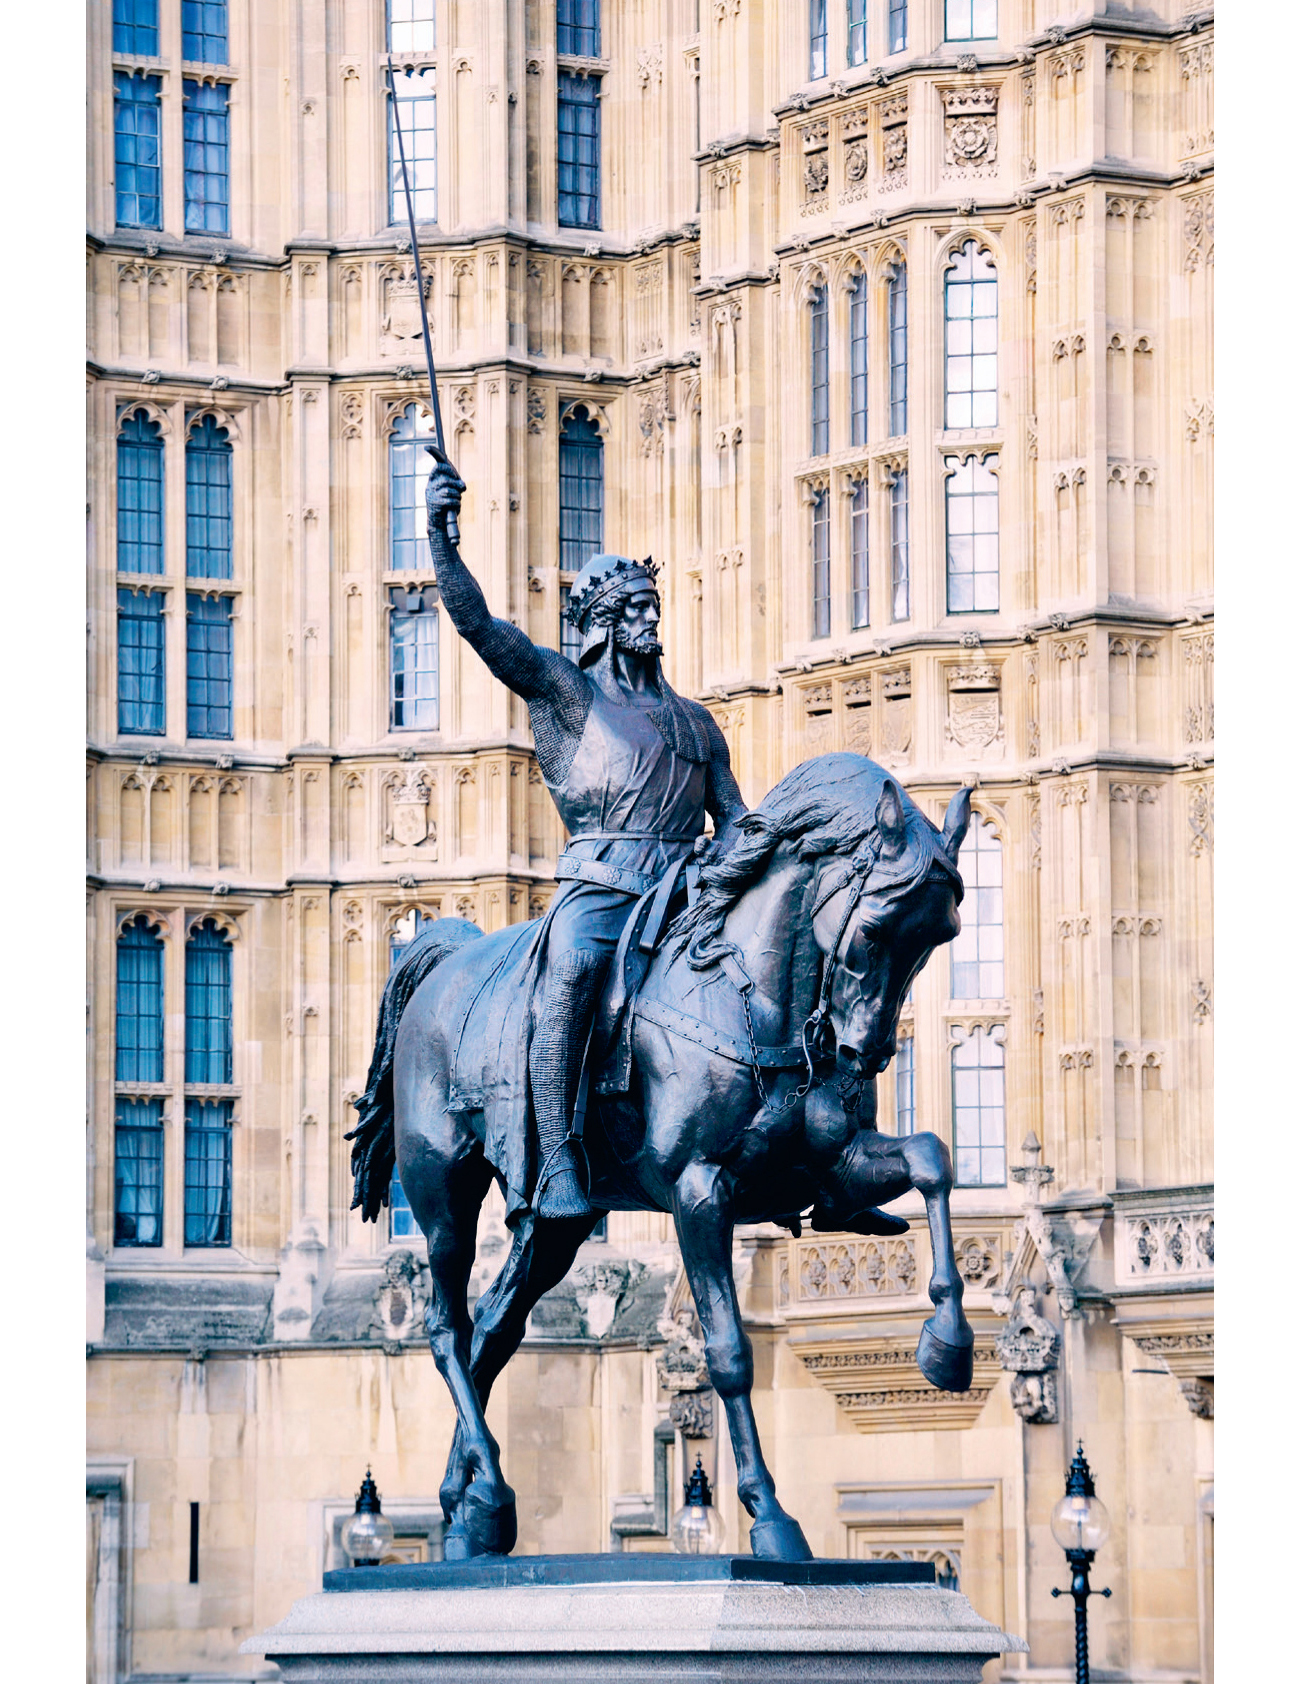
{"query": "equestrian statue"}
{"type": "Point", "coordinates": [694, 1026]}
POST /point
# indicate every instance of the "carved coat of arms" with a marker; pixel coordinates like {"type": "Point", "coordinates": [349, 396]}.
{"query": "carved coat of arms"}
{"type": "Point", "coordinates": [402, 320]}
{"type": "Point", "coordinates": [411, 808]}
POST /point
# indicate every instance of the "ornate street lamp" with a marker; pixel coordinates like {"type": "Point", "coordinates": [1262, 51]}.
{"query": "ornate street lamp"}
{"type": "Point", "coordinates": [369, 1534]}
{"type": "Point", "coordinates": [697, 1528]}
{"type": "Point", "coordinates": [1081, 1526]}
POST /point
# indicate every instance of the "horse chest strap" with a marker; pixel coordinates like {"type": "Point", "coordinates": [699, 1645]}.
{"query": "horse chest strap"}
{"type": "Point", "coordinates": [717, 1040]}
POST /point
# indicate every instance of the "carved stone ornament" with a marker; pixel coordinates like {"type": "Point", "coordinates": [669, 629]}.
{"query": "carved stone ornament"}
{"type": "Point", "coordinates": [970, 131]}
{"type": "Point", "coordinates": [400, 1301]}
{"type": "Point", "coordinates": [1027, 1348]}
{"type": "Point", "coordinates": [974, 720]}
{"type": "Point", "coordinates": [411, 808]}
{"type": "Point", "coordinates": [601, 1287]}
{"type": "Point", "coordinates": [692, 1414]}
{"type": "Point", "coordinates": [682, 1365]}
{"type": "Point", "coordinates": [402, 313]}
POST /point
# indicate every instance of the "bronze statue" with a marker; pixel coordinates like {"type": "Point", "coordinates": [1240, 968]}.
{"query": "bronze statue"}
{"type": "Point", "coordinates": [689, 1029]}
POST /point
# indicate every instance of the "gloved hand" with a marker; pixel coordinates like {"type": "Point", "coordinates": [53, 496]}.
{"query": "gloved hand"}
{"type": "Point", "coordinates": [444, 491]}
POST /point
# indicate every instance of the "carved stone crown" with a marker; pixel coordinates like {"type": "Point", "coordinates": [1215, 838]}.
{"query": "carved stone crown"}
{"type": "Point", "coordinates": [602, 575]}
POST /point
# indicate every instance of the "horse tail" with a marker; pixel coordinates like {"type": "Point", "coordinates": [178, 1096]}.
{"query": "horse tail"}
{"type": "Point", "coordinates": [374, 1149]}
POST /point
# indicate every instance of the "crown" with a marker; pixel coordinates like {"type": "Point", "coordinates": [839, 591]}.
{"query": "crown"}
{"type": "Point", "coordinates": [602, 575]}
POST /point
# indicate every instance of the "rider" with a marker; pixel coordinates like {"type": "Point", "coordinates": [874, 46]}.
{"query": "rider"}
{"type": "Point", "coordinates": [632, 768]}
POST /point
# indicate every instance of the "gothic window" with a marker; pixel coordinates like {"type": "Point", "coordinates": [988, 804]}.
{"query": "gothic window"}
{"type": "Point", "coordinates": [816, 39]}
{"type": "Point", "coordinates": [139, 495]}
{"type": "Point", "coordinates": [135, 27]}
{"type": "Point", "coordinates": [208, 505]}
{"type": "Point", "coordinates": [821, 564]}
{"type": "Point", "coordinates": [819, 356]}
{"type": "Point", "coordinates": [971, 499]}
{"type": "Point", "coordinates": [577, 28]}
{"type": "Point", "coordinates": [978, 970]}
{"type": "Point", "coordinates": [408, 473]}
{"type": "Point", "coordinates": [205, 31]}
{"type": "Point", "coordinates": [209, 665]}
{"type": "Point", "coordinates": [905, 1086]}
{"type": "Point", "coordinates": [570, 636]}
{"type": "Point", "coordinates": [897, 25]}
{"type": "Point", "coordinates": [898, 350]}
{"type": "Point", "coordinates": [859, 555]}
{"type": "Point", "coordinates": [139, 1004]}
{"type": "Point", "coordinates": [138, 1172]}
{"type": "Point", "coordinates": [137, 154]}
{"type": "Point", "coordinates": [582, 493]}
{"type": "Point", "coordinates": [413, 647]}
{"type": "Point", "coordinates": [979, 1109]}
{"type": "Point", "coordinates": [900, 550]}
{"type": "Point", "coordinates": [401, 1218]}
{"type": "Point", "coordinates": [411, 27]}
{"type": "Point", "coordinates": [207, 157]}
{"type": "Point", "coordinates": [858, 302]}
{"type": "Point", "coordinates": [578, 128]}
{"type": "Point", "coordinates": [208, 1029]}
{"type": "Point", "coordinates": [413, 103]}
{"type": "Point", "coordinates": [208, 1130]}
{"type": "Point", "coordinates": [970, 20]}
{"type": "Point", "coordinates": [970, 314]}
{"type": "Point", "coordinates": [857, 31]}
{"type": "Point", "coordinates": [141, 663]}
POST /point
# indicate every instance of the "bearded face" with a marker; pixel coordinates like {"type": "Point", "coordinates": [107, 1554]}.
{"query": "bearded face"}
{"type": "Point", "coordinates": [637, 631]}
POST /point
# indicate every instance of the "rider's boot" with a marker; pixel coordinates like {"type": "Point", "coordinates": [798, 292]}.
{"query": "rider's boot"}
{"type": "Point", "coordinates": [572, 986]}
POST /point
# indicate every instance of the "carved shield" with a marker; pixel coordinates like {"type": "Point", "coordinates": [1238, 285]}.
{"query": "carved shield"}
{"type": "Point", "coordinates": [403, 318]}
{"type": "Point", "coordinates": [410, 822]}
{"type": "Point", "coordinates": [974, 718]}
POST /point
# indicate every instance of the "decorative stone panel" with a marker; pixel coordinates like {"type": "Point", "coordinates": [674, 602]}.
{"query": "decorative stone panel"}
{"type": "Point", "coordinates": [970, 133]}
{"type": "Point", "coordinates": [848, 1268]}
{"type": "Point", "coordinates": [875, 1381]}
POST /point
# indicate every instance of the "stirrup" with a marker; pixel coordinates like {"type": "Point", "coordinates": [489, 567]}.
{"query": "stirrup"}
{"type": "Point", "coordinates": [559, 1186]}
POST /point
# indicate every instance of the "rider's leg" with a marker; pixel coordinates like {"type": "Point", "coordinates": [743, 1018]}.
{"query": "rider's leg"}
{"type": "Point", "coordinates": [573, 978]}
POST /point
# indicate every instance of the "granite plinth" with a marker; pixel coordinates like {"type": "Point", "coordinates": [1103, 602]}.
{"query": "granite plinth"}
{"type": "Point", "coordinates": [715, 1622]}
{"type": "Point", "coordinates": [495, 1572]}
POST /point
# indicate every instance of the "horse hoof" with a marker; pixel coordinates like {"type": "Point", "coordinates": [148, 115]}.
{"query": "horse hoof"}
{"type": "Point", "coordinates": [456, 1545]}
{"type": "Point", "coordinates": [489, 1528]}
{"type": "Point", "coordinates": [949, 1367]}
{"type": "Point", "coordinates": [779, 1540]}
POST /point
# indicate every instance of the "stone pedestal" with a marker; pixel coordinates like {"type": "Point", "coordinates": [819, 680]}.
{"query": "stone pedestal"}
{"type": "Point", "coordinates": [650, 1619]}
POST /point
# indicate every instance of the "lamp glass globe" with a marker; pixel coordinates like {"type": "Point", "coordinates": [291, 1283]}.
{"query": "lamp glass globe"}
{"type": "Point", "coordinates": [1080, 1523]}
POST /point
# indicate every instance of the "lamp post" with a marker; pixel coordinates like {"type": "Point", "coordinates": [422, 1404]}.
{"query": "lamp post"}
{"type": "Point", "coordinates": [697, 1527]}
{"type": "Point", "coordinates": [1081, 1526]}
{"type": "Point", "coordinates": [369, 1533]}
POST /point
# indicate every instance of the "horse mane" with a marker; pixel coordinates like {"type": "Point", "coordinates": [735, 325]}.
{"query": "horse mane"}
{"type": "Point", "coordinates": [825, 806]}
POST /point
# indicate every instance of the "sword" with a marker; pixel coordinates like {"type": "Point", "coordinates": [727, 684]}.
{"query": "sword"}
{"type": "Point", "coordinates": [440, 454]}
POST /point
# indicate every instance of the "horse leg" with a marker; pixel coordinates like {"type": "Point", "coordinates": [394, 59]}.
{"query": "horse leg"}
{"type": "Point", "coordinates": [702, 1210]}
{"type": "Point", "coordinates": [945, 1353]}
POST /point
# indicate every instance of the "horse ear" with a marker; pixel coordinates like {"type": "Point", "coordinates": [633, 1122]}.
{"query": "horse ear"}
{"type": "Point", "coordinates": [956, 822]}
{"type": "Point", "coordinates": [891, 821]}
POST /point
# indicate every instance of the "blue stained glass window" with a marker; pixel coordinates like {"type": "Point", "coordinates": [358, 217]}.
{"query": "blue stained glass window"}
{"type": "Point", "coordinates": [209, 510]}
{"type": "Point", "coordinates": [408, 474]}
{"type": "Point", "coordinates": [137, 149]}
{"type": "Point", "coordinates": [905, 1087]}
{"type": "Point", "coordinates": [401, 1218]}
{"type": "Point", "coordinates": [208, 1139]}
{"type": "Point", "coordinates": [979, 1107]}
{"type": "Point", "coordinates": [577, 27]}
{"type": "Point", "coordinates": [413, 640]}
{"type": "Point", "coordinates": [207, 157]}
{"type": "Point", "coordinates": [858, 302]}
{"type": "Point", "coordinates": [970, 311]}
{"type": "Point", "coordinates": [897, 25]}
{"type": "Point", "coordinates": [139, 1004]}
{"type": "Point", "coordinates": [582, 493]}
{"type": "Point", "coordinates": [978, 953]}
{"type": "Point", "coordinates": [411, 26]}
{"type": "Point", "coordinates": [141, 663]}
{"type": "Point", "coordinates": [209, 666]}
{"type": "Point", "coordinates": [205, 31]}
{"type": "Point", "coordinates": [971, 500]}
{"type": "Point", "coordinates": [135, 27]}
{"type": "Point", "coordinates": [860, 554]}
{"type": "Point", "coordinates": [816, 39]}
{"type": "Point", "coordinates": [138, 1172]}
{"type": "Point", "coordinates": [857, 31]}
{"type": "Point", "coordinates": [139, 495]}
{"type": "Point", "coordinates": [570, 636]}
{"type": "Point", "coordinates": [819, 350]}
{"type": "Point", "coordinates": [415, 107]}
{"type": "Point", "coordinates": [900, 550]}
{"type": "Point", "coordinates": [970, 20]}
{"type": "Point", "coordinates": [578, 125]}
{"type": "Point", "coordinates": [898, 351]}
{"type": "Point", "coordinates": [821, 564]}
{"type": "Point", "coordinates": [208, 1034]}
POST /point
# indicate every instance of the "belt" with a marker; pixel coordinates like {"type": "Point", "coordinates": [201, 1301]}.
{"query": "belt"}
{"type": "Point", "coordinates": [634, 883]}
{"type": "Point", "coordinates": [717, 1041]}
{"type": "Point", "coordinates": [633, 836]}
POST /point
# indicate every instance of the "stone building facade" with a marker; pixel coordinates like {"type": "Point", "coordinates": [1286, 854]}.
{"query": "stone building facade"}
{"type": "Point", "coordinates": [887, 331]}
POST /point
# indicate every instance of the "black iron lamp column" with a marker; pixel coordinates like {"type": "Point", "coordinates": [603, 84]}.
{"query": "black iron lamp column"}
{"type": "Point", "coordinates": [1081, 1526]}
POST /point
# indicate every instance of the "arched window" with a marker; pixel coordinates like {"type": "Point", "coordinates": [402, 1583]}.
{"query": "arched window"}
{"type": "Point", "coordinates": [408, 473]}
{"type": "Point", "coordinates": [979, 1108]}
{"type": "Point", "coordinates": [860, 554]}
{"type": "Point", "coordinates": [858, 299]}
{"type": "Point", "coordinates": [209, 510]}
{"type": "Point", "coordinates": [404, 933]}
{"type": "Point", "coordinates": [582, 492]}
{"type": "Point", "coordinates": [819, 353]}
{"type": "Point", "coordinates": [905, 1086]}
{"type": "Point", "coordinates": [415, 105]}
{"type": "Point", "coordinates": [139, 1017]}
{"type": "Point", "coordinates": [821, 564]}
{"type": "Point", "coordinates": [140, 495]}
{"type": "Point", "coordinates": [978, 961]}
{"type": "Point", "coordinates": [401, 1218]}
{"type": "Point", "coordinates": [411, 27]}
{"type": "Point", "coordinates": [971, 514]}
{"type": "Point", "coordinates": [970, 313]}
{"type": "Point", "coordinates": [900, 549]}
{"type": "Point", "coordinates": [898, 350]}
{"type": "Point", "coordinates": [208, 1030]}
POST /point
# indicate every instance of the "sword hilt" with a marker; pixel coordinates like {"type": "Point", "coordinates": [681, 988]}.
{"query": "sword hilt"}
{"type": "Point", "coordinates": [453, 525]}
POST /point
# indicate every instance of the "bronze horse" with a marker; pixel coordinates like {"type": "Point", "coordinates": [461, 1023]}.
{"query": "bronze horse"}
{"type": "Point", "coordinates": [755, 1039]}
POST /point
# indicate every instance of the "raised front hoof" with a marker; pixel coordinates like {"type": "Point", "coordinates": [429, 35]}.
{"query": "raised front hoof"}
{"type": "Point", "coordinates": [949, 1367]}
{"type": "Point", "coordinates": [483, 1526]}
{"type": "Point", "coordinates": [779, 1540]}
